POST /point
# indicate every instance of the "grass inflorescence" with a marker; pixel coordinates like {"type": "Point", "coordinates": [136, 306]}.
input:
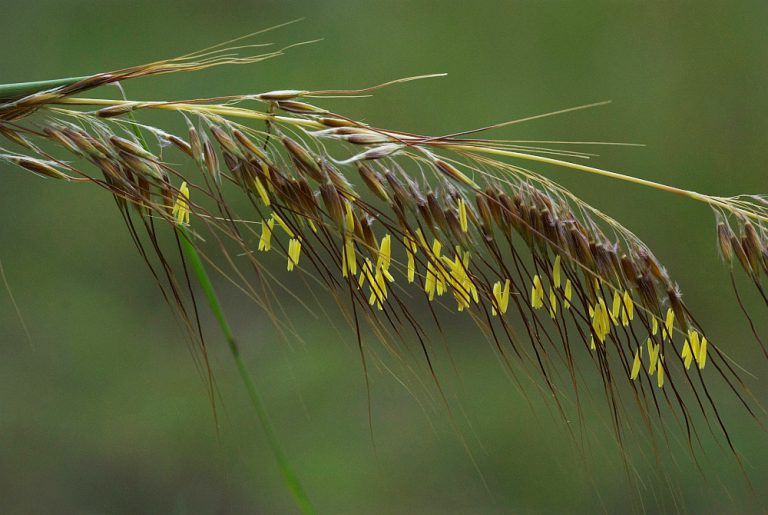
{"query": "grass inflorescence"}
{"type": "Point", "coordinates": [383, 218]}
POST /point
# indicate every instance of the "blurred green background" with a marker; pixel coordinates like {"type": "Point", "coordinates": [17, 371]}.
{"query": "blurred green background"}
{"type": "Point", "coordinates": [103, 411]}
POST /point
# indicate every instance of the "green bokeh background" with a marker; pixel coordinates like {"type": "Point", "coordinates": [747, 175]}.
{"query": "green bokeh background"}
{"type": "Point", "coordinates": [103, 411]}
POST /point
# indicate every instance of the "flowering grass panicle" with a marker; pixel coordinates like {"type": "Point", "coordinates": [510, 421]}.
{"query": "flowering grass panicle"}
{"type": "Point", "coordinates": [388, 219]}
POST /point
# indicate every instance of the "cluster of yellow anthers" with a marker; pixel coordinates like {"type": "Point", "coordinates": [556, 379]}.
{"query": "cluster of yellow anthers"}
{"type": "Point", "coordinates": [294, 244]}
{"type": "Point", "coordinates": [537, 292]}
{"type": "Point", "coordinates": [444, 273]}
{"type": "Point", "coordinates": [694, 349]}
{"type": "Point", "coordinates": [622, 311]}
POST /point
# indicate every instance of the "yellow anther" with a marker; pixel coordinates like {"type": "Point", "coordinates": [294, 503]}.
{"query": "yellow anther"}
{"type": "Point", "coordinates": [410, 250]}
{"type": "Point", "coordinates": [378, 290]}
{"type": "Point", "coordinates": [379, 275]}
{"type": "Point", "coordinates": [436, 247]}
{"type": "Point", "coordinates": [556, 272]}
{"type": "Point", "coordinates": [686, 354]}
{"type": "Point", "coordinates": [181, 206]}
{"type": "Point", "coordinates": [702, 356]}
{"type": "Point", "coordinates": [385, 257]}
{"type": "Point", "coordinates": [457, 277]}
{"type": "Point", "coordinates": [615, 308]}
{"type": "Point", "coordinates": [636, 364]}
{"type": "Point", "coordinates": [349, 218]}
{"type": "Point", "coordinates": [463, 222]}
{"type": "Point", "coordinates": [568, 294]}
{"type": "Point", "coordinates": [365, 273]}
{"type": "Point", "coordinates": [600, 320]}
{"type": "Point", "coordinates": [294, 251]}
{"type": "Point", "coordinates": [668, 323]}
{"type": "Point", "coordinates": [628, 313]}
{"type": "Point", "coordinates": [284, 225]}
{"type": "Point", "coordinates": [537, 293]}
{"type": "Point", "coordinates": [693, 336]}
{"type": "Point", "coordinates": [376, 284]}
{"type": "Point", "coordinates": [654, 326]}
{"type": "Point", "coordinates": [422, 240]}
{"type": "Point", "coordinates": [348, 258]}
{"type": "Point", "coordinates": [265, 242]}
{"type": "Point", "coordinates": [653, 356]}
{"type": "Point", "coordinates": [435, 278]}
{"type": "Point", "coordinates": [267, 174]}
{"type": "Point", "coordinates": [552, 303]}
{"type": "Point", "coordinates": [501, 297]}
{"type": "Point", "coordinates": [660, 372]}
{"type": "Point", "coordinates": [698, 350]}
{"type": "Point", "coordinates": [261, 190]}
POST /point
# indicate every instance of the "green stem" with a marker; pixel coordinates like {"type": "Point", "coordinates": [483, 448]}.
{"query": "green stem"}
{"type": "Point", "coordinates": [291, 479]}
{"type": "Point", "coordinates": [193, 257]}
{"type": "Point", "coordinates": [240, 112]}
{"type": "Point", "coordinates": [196, 263]}
{"type": "Point", "coordinates": [27, 88]}
{"type": "Point", "coordinates": [694, 195]}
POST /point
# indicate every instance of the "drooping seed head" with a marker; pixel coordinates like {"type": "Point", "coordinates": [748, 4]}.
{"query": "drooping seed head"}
{"type": "Point", "coordinates": [401, 196]}
{"type": "Point", "coordinates": [195, 144]}
{"type": "Point", "coordinates": [380, 152]}
{"type": "Point", "coordinates": [436, 212]}
{"type": "Point", "coordinates": [59, 137]}
{"type": "Point", "coordinates": [676, 303]}
{"type": "Point", "coordinates": [180, 144]}
{"type": "Point", "coordinates": [741, 255]}
{"type": "Point", "coordinates": [332, 203]}
{"type": "Point", "coordinates": [86, 143]}
{"type": "Point", "coordinates": [282, 94]}
{"type": "Point", "coordinates": [304, 161]}
{"type": "Point", "coordinates": [226, 142]}
{"type": "Point", "coordinates": [117, 110]}
{"type": "Point", "coordinates": [247, 145]}
{"type": "Point", "coordinates": [752, 247]}
{"type": "Point", "coordinates": [454, 173]}
{"type": "Point", "coordinates": [130, 147]}
{"type": "Point", "coordinates": [724, 235]}
{"type": "Point", "coordinates": [211, 160]}
{"type": "Point", "coordinates": [336, 122]}
{"type": "Point", "coordinates": [629, 270]}
{"type": "Point", "coordinates": [15, 137]}
{"type": "Point", "coordinates": [368, 138]}
{"type": "Point", "coordinates": [484, 210]}
{"type": "Point", "coordinates": [374, 181]}
{"type": "Point", "coordinates": [293, 106]}
{"type": "Point", "coordinates": [141, 166]}
{"type": "Point", "coordinates": [39, 167]}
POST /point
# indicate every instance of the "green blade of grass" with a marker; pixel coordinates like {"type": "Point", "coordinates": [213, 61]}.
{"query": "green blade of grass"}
{"type": "Point", "coordinates": [198, 268]}
{"type": "Point", "coordinates": [290, 478]}
{"type": "Point", "coordinates": [27, 88]}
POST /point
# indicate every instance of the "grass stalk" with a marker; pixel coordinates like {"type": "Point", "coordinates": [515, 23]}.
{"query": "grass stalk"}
{"type": "Point", "coordinates": [25, 88]}
{"type": "Point", "coordinates": [239, 112]}
{"type": "Point", "coordinates": [198, 268]}
{"type": "Point", "coordinates": [289, 476]}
